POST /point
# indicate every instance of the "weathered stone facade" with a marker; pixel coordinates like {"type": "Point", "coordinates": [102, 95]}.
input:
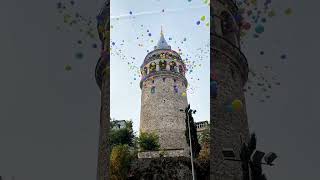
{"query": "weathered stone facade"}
{"type": "Point", "coordinates": [229, 129]}
{"type": "Point", "coordinates": [157, 154]}
{"type": "Point", "coordinates": [102, 75]}
{"type": "Point", "coordinates": [170, 168]}
{"type": "Point", "coordinates": [163, 87]}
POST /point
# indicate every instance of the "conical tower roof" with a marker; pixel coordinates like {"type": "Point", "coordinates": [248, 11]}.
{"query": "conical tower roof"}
{"type": "Point", "coordinates": [162, 43]}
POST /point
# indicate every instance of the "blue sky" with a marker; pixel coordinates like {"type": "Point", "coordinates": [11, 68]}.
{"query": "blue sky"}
{"type": "Point", "coordinates": [131, 22]}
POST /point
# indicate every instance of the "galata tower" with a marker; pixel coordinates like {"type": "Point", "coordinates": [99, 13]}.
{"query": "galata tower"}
{"type": "Point", "coordinates": [229, 68]}
{"type": "Point", "coordinates": [163, 95]}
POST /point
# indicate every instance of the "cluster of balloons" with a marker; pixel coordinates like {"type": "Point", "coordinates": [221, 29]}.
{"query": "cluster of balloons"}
{"type": "Point", "coordinates": [254, 14]}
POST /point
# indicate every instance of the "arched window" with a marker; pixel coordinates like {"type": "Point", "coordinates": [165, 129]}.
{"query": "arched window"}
{"type": "Point", "coordinates": [228, 27]}
{"type": "Point", "coordinates": [172, 66]}
{"type": "Point", "coordinates": [145, 70]}
{"type": "Point", "coordinates": [153, 89]}
{"type": "Point", "coordinates": [180, 69]}
{"type": "Point", "coordinates": [163, 65]}
{"type": "Point", "coordinates": [152, 67]}
{"type": "Point", "coordinates": [175, 88]}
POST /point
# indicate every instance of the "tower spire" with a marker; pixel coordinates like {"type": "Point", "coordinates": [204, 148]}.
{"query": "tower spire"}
{"type": "Point", "coordinates": [161, 33]}
{"type": "Point", "coordinates": [162, 43]}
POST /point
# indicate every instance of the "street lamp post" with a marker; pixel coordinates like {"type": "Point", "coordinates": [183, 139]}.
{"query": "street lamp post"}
{"type": "Point", "coordinates": [187, 110]}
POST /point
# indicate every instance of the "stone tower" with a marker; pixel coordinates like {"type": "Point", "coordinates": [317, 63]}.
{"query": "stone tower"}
{"type": "Point", "coordinates": [102, 77]}
{"type": "Point", "coordinates": [163, 87]}
{"type": "Point", "coordinates": [229, 129]}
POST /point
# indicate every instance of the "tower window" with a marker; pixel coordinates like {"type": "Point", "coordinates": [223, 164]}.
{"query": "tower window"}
{"type": "Point", "coordinates": [228, 27]}
{"type": "Point", "coordinates": [152, 67]}
{"type": "Point", "coordinates": [152, 81]}
{"type": "Point", "coordinates": [163, 65]}
{"type": "Point", "coordinates": [174, 80]}
{"type": "Point", "coordinates": [145, 70]}
{"type": "Point", "coordinates": [180, 69]}
{"type": "Point", "coordinates": [153, 89]}
{"type": "Point", "coordinates": [175, 89]}
{"type": "Point", "coordinates": [172, 66]}
{"type": "Point", "coordinates": [163, 79]}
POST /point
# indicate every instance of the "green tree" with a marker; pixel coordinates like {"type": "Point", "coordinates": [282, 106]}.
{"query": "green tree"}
{"type": "Point", "coordinates": [148, 141]}
{"type": "Point", "coordinates": [120, 162]}
{"type": "Point", "coordinates": [193, 130]}
{"type": "Point", "coordinates": [122, 136]}
{"type": "Point", "coordinates": [204, 140]}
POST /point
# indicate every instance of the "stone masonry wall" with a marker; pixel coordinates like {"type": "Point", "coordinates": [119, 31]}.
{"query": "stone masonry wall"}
{"type": "Point", "coordinates": [229, 129]}
{"type": "Point", "coordinates": [160, 112]}
{"type": "Point", "coordinates": [104, 143]}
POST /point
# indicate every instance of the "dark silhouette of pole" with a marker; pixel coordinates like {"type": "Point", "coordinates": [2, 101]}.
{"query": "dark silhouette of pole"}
{"type": "Point", "coordinates": [188, 113]}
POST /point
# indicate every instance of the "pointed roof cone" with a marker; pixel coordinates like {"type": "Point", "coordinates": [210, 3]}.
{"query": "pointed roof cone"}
{"type": "Point", "coordinates": [162, 43]}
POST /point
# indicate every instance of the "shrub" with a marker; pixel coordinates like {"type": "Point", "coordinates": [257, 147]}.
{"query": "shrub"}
{"type": "Point", "coordinates": [148, 141]}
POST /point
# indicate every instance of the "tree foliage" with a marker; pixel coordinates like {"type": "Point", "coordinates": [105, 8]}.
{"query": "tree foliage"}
{"type": "Point", "coordinates": [148, 141]}
{"type": "Point", "coordinates": [122, 136]}
{"type": "Point", "coordinates": [204, 140]}
{"type": "Point", "coordinates": [120, 162]}
{"type": "Point", "coordinates": [193, 131]}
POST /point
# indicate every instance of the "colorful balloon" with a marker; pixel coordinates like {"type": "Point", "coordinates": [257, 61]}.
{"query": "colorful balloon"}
{"type": "Point", "coordinates": [236, 105]}
{"type": "Point", "coordinates": [259, 29]}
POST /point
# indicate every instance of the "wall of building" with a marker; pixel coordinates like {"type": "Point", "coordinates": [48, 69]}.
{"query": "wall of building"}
{"type": "Point", "coordinates": [229, 129]}
{"type": "Point", "coordinates": [160, 111]}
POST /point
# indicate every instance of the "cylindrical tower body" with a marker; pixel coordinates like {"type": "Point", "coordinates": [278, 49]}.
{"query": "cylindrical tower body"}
{"type": "Point", "coordinates": [229, 129]}
{"type": "Point", "coordinates": [102, 73]}
{"type": "Point", "coordinates": [163, 87]}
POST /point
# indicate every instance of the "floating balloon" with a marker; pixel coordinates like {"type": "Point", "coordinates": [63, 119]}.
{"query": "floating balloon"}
{"type": "Point", "coordinates": [246, 26]}
{"type": "Point", "coordinates": [67, 67]}
{"type": "Point", "coordinates": [79, 55]}
{"type": "Point", "coordinates": [288, 11]}
{"type": "Point", "coordinates": [236, 105]}
{"type": "Point", "coordinates": [259, 29]}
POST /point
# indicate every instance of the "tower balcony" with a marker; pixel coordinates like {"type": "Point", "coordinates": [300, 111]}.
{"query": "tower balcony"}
{"type": "Point", "coordinates": [155, 55]}
{"type": "Point", "coordinates": [225, 47]}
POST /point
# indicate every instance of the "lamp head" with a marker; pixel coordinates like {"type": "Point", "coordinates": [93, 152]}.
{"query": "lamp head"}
{"type": "Point", "coordinates": [270, 157]}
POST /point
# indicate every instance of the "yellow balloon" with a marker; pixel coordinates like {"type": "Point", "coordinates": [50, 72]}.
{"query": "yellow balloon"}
{"type": "Point", "coordinates": [236, 105]}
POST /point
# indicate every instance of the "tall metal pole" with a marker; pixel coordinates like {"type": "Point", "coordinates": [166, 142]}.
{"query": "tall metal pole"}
{"type": "Point", "coordinates": [193, 178]}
